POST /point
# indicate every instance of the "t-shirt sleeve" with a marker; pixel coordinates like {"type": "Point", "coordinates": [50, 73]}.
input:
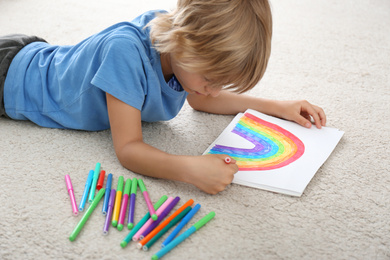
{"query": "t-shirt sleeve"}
{"type": "Point", "coordinates": [121, 71]}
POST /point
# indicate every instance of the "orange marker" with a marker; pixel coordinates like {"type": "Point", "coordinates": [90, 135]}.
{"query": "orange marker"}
{"type": "Point", "coordinates": [118, 201]}
{"type": "Point", "coordinates": [163, 224]}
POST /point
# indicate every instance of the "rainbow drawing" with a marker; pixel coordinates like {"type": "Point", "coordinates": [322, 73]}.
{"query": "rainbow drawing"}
{"type": "Point", "coordinates": [274, 147]}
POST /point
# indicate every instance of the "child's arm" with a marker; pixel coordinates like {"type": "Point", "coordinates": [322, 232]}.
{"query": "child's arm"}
{"type": "Point", "coordinates": [227, 102]}
{"type": "Point", "coordinates": [209, 173]}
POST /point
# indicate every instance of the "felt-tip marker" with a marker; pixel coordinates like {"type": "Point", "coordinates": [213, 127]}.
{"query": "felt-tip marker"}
{"type": "Point", "coordinates": [166, 222]}
{"type": "Point", "coordinates": [130, 219]}
{"type": "Point", "coordinates": [149, 240]}
{"type": "Point", "coordinates": [147, 199]}
{"type": "Point", "coordinates": [125, 200]}
{"type": "Point", "coordinates": [87, 214]}
{"type": "Point", "coordinates": [179, 227]}
{"type": "Point", "coordinates": [139, 225]}
{"type": "Point", "coordinates": [71, 194]}
{"type": "Point", "coordinates": [160, 218]}
{"type": "Point", "coordinates": [100, 182]}
{"type": "Point", "coordinates": [107, 195]}
{"type": "Point", "coordinates": [86, 190]}
{"type": "Point", "coordinates": [118, 200]}
{"type": "Point", "coordinates": [94, 183]}
{"type": "Point", "coordinates": [109, 212]}
{"type": "Point", "coordinates": [137, 235]}
{"type": "Point", "coordinates": [184, 235]}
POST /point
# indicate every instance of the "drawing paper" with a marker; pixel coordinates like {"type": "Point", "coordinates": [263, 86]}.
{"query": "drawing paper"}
{"type": "Point", "coordinates": [274, 154]}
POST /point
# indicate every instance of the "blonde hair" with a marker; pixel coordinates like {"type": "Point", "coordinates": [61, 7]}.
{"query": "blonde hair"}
{"type": "Point", "coordinates": [229, 41]}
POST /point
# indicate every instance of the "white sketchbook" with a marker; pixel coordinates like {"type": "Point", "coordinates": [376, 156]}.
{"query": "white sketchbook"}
{"type": "Point", "coordinates": [274, 154]}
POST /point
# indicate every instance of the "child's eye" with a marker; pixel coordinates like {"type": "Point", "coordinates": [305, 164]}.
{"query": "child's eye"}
{"type": "Point", "coordinates": [206, 79]}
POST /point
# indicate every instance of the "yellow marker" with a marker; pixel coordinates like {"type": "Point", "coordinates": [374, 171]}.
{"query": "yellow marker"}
{"type": "Point", "coordinates": [118, 201]}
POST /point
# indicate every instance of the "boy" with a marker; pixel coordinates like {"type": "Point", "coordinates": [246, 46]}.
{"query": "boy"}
{"type": "Point", "coordinates": [144, 71]}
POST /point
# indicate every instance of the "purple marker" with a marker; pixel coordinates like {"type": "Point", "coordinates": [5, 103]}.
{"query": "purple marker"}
{"type": "Point", "coordinates": [130, 219]}
{"type": "Point", "coordinates": [109, 211]}
{"type": "Point", "coordinates": [160, 217]}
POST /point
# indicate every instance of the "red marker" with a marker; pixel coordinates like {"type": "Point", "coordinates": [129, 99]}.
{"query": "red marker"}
{"type": "Point", "coordinates": [228, 160]}
{"type": "Point", "coordinates": [100, 182]}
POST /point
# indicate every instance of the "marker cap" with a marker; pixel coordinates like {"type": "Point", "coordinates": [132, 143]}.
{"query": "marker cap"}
{"type": "Point", "coordinates": [120, 184]}
{"type": "Point", "coordinates": [134, 185]}
{"type": "Point", "coordinates": [120, 227]}
{"type": "Point", "coordinates": [100, 182]}
{"type": "Point", "coordinates": [123, 244]}
{"type": "Point", "coordinates": [204, 220]}
{"type": "Point", "coordinates": [141, 185]}
{"type": "Point", "coordinates": [127, 186]}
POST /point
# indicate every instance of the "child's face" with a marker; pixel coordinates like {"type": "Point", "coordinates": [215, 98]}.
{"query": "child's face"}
{"type": "Point", "coordinates": [194, 83]}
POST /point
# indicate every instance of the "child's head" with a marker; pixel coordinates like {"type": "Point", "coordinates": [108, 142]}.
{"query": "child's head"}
{"type": "Point", "coordinates": [229, 41]}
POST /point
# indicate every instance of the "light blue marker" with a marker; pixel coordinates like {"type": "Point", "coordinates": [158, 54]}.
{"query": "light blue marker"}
{"type": "Point", "coordinates": [182, 223]}
{"type": "Point", "coordinates": [183, 236]}
{"type": "Point", "coordinates": [86, 190]}
{"type": "Point", "coordinates": [107, 194]}
{"type": "Point", "coordinates": [94, 182]}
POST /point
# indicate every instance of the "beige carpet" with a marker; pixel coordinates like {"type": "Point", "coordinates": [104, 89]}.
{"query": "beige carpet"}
{"type": "Point", "coordinates": [334, 53]}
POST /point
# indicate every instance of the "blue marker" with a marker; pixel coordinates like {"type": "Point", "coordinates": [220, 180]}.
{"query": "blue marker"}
{"type": "Point", "coordinates": [183, 236]}
{"type": "Point", "coordinates": [107, 194]}
{"type": "Point", "coordinates": [86, 190]}
{"type": "Point", "coordinates": [182, 223]}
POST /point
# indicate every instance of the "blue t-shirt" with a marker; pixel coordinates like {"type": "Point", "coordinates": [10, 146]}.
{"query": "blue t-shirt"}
{"type": "Point", "coordinates": [65, 86]}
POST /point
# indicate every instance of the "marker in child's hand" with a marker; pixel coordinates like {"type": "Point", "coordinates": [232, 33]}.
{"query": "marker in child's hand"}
{"type": "Point", "coordinates": [229, 160]}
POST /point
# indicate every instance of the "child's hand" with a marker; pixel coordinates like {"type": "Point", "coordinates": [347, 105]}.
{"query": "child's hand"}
{"type": "Point", "coordinates": [211, 173]}
{"type": "Point", "coordinates": [302, 112]}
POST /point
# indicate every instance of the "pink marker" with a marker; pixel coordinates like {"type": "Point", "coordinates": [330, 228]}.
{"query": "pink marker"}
{"type": "Point", "coordinates": [71, 194]}
{"type": "Point", "coordinates": [125, 200]}
{"type": "Point", "coordinates": [137, 235]}
{"type": "Point", "coordinates": [147, 199]}
{"type": "Point", "coordinates": [228, 160]}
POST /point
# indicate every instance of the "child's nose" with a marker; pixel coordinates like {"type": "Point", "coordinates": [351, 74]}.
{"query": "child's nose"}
{"type": "Point", "coordinates": [214, 92]}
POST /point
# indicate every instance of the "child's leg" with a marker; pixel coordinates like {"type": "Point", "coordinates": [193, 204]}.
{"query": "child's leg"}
{"type": "Point", "coordinates": [10, 45]}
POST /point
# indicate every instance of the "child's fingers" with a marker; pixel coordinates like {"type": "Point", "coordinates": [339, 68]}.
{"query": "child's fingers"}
{"type": "Point", "coordinates": [322, 115]}
{"type": "Point", "coordinates": [316, 113]}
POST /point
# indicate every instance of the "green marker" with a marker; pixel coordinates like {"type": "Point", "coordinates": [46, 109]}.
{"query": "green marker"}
{"type": "Point", "coordinates": [184, 235]}
{"type": "Point", "coordinates": [125, 200]}
{"type": "Point", "coordinates": [88, 213]}
{"type": "Point", "coordinates": [166, 228]}
{"type": "Point", "coordinates": [118, 200]}
{"type": "Point", "coordinates": [137, 227]}
{"type": "Point", "coordinates": [94, 183]}
{"type": "Point", "coordinates": [130, 219]}
{"type": "Point", "coordinates": [147, 199]}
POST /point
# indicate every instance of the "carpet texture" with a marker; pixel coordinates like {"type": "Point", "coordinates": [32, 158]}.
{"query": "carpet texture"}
{"type": "Point", "coordinates": [333, 53]}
